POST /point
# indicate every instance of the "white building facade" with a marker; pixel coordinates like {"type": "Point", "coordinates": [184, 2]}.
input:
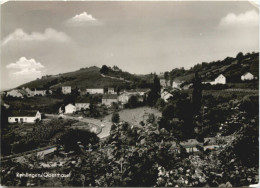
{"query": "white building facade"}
{"type": "Point", "coordinates": [66, 89]}
{"type": "Point", "coordinates": [247, 76]}
{"type": "Point", "coordinates": [24, 118]}
{"type": "Point", "coordinates": [221, 79]}
{"type": "Point", "coordinates": [80, 106]}
{"type": "Point", "coordinates": [69, 109]}
{"type": "Point", "coordinates": [95, 90]}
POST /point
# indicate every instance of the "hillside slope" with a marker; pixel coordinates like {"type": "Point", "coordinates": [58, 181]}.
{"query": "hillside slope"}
{"type": "Point", "coordinates": [231, 68]}
{"type": "Point", "coordinates": [83, 78]}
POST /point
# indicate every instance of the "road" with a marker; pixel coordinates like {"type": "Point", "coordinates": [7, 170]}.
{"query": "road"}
{"type": "Point", "coordinates": [106, 125]}
{"type": "Point", "coordinates": [115, 78]}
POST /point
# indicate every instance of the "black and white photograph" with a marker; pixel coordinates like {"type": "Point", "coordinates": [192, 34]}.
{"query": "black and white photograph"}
{"type": "Point", "coordinates": [129, 93]}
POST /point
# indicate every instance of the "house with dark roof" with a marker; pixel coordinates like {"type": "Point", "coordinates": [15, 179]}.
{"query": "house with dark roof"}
{"type": "Point", "coordinates": [19, 93]}
{"type": "Point", "coordinates": [165, 95]}
{"type": "Point", "coordinates": [24, 117]}
{"type": "Point", "coordinates": [109, 99]}
{"type": "Point", "coordinates": [82, 104]}
{"type": "Point", "coordinates": [31, 93]}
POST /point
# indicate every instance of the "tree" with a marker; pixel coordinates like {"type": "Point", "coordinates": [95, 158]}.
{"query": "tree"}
{"type": "Point", "coordinates": [104, 69]}
{"type": "Point", "coordinates": [58, 91]}
{"type": "Point", "coordinates": [72, 138]}
{"type": "Point", "coordinates": [239, 56]}
{"type": "Point", "coordinates": [154, 94]}
{"type": "Point", "coordinates": [166, 75]}
{"type": "Point", "coordinates": [156, 85]}
{"type": "Point", "coordinates": [168, 112]}
{"type": "Point", "coordinates": [75, 92]}
{"type": "Point", "coordinates": [160, 104]}
{"type": "Point", "coordinates": [197, 93]}
{"type": "Point", "coordinates": [133, 102]}
{"type": "Point", "coordinates": [115, 118]}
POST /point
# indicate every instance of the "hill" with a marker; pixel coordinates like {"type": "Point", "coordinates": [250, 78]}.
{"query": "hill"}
{"type": "Point", "coordinates": [83, 78]}
{"type": "Point", "coordinates": [231, 68]}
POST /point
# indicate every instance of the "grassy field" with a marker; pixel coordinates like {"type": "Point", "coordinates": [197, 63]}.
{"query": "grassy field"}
{"type": "Point", "coordinates": [43, 104]}
{"type": "Point", "coordinates": [83, 78]}
{"type": "Point", "coordinates": [134, 116]}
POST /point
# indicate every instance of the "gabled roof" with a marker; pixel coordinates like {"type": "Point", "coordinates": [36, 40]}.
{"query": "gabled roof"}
{"type": "Point", "coordinates": [22, 92]}
{"type": "Point", "coordinates": [82, 100]}
{"type": "Point", "coordinates": [110, 96]}
{"type": "Point", "coordinates": [69, 105]}
{"type": "Point", "coordinates": [20, 113]}
{"type": "Point", "coordinates": [220, 75]}
{"type": "Point", "coordinates": [247, 73]}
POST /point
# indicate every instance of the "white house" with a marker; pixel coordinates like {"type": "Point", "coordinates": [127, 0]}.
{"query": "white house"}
{"type": "Point", "coordinates": [31, 93]}
{"type": "Point", "coordinates": [19, 93]}
{"type": "Point", "coordinates": [95, 90]}
{"type": "Point", "coordinates": [82, 105]}
{"type": "Point", "coordinates": [165, 95]}
{"type": "Point", "coordinates": [247, 76]}
{"type": "Point", "coordinates": [69, 109]}
{"type": "Point", "coordinates": [163, 82]}
{"type": "Point", "coordinates": [66, 89]}
{"type": "Point", "coordinates": [176, 84]}
{"type": "Point", "coordinates": [24, 117]}
{"type": "Point", "coordinates": [221, 79]}
{"type": "Point", "coordinates": [111, 91]}
{"type": "Point", "coordinates": [109, 99]}
{"type": "Point", "coordinates": [124, 97]}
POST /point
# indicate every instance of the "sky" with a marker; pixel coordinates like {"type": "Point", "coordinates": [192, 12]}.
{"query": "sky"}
{"type": "Point", "coordinates": [43, 38]}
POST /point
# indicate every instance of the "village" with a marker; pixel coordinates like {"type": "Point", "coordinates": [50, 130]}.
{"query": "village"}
{"type": "Point", "coordinates": [109, 98]}
{"type": "Point", "coordinates": [42, 119]}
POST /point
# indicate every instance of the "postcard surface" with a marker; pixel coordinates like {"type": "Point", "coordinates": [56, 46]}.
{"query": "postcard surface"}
{"type": "Point", "coordinates": [129, 93]}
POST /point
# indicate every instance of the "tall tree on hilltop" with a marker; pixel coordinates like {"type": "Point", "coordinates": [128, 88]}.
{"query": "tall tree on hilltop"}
{"type": "Point", "coordinates": [104, 69]}
{"type": "Point", "coordinates": [197, 93]}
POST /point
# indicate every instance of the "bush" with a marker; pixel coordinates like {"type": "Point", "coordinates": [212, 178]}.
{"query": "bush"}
{"type": "Point", "coordinates": [115, 118]}
{"type": "Point", "coordinates": [71, 138]}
